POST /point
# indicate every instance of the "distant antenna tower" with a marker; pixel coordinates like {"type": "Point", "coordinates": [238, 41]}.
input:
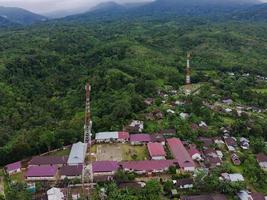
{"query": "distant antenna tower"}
{"type": "Point", "coordinates": [187, 76]}
{"type": "Point", "coordinates": [87, 118]}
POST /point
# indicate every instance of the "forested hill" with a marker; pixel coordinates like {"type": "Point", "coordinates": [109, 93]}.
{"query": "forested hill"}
{"type": "Point", "coordinates": [20, 16]}
{"type": "Point", "coordinates": [43, 70]}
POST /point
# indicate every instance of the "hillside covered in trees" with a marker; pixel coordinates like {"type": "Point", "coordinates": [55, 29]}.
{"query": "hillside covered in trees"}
{"type": "Point", "coordinates": [43, 70]}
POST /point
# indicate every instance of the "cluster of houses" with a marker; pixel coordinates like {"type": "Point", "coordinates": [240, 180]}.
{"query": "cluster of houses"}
{"type": "Point", "coordinates": [184, 156]}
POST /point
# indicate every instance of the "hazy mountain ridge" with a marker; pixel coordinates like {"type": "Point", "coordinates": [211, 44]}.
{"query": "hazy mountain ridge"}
{"type": "Point", "coordinates": [213, 9]}
{"type": "Point", "coordinates": [20, 16]}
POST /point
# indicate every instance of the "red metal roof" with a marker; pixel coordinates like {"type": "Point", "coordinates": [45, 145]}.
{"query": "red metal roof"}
{"type": "Point", "coordinates": [105, 166]}
{"type": "Point", "coordinates": [180, 153]}
{"type": "Point", "coordinates": [41, 171]}
{"type": "Point", "coordinates": [13, 166]}
{"type": "Point", "coordinates": [123, 135]}
{"type": "Point", "coordinates": [148, 165]}
{"type": "Point", "coordinates": [192, 151]}
{"type": "Point", "coordinates": [71, 170]}
{"type": "Point", "coordinates": [140, 138]}
{"type": "Point", "coordinates": [156, 149]}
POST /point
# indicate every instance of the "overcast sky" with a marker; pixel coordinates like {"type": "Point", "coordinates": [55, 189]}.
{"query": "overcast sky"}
{"type": "Point", "coordinates": [46, 6]}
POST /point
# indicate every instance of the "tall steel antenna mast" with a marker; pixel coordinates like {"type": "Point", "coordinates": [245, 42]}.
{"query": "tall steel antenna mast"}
{"type": "Point", "coordinates": [87, 171]}
{"type": "Point", "coordinates": [87, 118]}
{"type": "Point", "coordinates": [187, 76]}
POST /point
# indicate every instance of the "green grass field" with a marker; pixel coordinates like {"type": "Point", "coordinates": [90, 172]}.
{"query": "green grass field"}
{"type": "Point", "coordinates": [63, 152]}
{"type": "Point", "coordinates": [134, 152]}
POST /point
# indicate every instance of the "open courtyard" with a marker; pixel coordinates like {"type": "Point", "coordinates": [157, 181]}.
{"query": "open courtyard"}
{"type": "Point", "coordinates": [119, 152]}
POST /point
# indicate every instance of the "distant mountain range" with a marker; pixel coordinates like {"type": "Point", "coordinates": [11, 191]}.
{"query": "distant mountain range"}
{"type": "Point", "coordinates": [13, 15]}
{"type": "Point", "coordinates": [212, 9]}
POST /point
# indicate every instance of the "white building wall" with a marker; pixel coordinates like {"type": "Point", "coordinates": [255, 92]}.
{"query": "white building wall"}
{"type": "Point", "coordinates": [158, 158]}
{"type": "Point", "coordinates": [40, 178]}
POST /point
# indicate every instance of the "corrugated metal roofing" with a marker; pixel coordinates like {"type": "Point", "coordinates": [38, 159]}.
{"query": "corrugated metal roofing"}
{"type": "Point", "coordinates": [49, 160]}
{"type": "Point", "coordinates": [13, 166]}
{"type": "Point", "coordinates": [107, 135]}
{"type": "Point", "coordinates": [71, 170]}
{"type": "Point", "coordinates": [105, 166]}
{"type": "Point", "coordinates": [77, 153]}
{"type": "Point", "coordinates": [180, 153]}
{"type": "Point", "coordinates": [41, 171]}
{"type": "Point", "coordinates": [140, 138]}
{"type": "Point", "coordinates": [156, 149]}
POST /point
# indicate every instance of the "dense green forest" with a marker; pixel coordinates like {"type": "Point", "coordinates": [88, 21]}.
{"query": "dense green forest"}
{"type": "Point", "coordinates": [43, 70]}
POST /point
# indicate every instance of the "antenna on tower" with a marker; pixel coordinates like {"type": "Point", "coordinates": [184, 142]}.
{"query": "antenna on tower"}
{"type": "Point", "coordinates": [87, 171]}
{"type": "Point", "coordinates": [87, 118]}
{"type": "Point", "coordinates": [187, 77]}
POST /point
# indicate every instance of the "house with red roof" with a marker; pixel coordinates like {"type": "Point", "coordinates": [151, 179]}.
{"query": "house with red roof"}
{"type": "Point", "coordinates": [262, 160]}
{"type": "Point", "coordinates": [180, 154]}
{"type": "Point", "coordinates": [45, 172]}
{"type": "Point", "coordinates": [71, 172]}
{"type": "Point", "coordinates": [156, 151]}
{"type": "Point", "coordinates": [148, 166]}
{"type": "Point", "coordinates": [158, 138]}
{"type": "Point", "coordinates": [194, 153]}
{"type": "Point", "coordinates": [105, 168]}
{"type": "Point", "coordinates": [13, 168]}
{"type": "Point", "coordinates": [138, 139]}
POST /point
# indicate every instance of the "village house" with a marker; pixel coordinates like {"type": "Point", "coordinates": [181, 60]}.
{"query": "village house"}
{"type": "Point", "coordinates": [139, 139]}
{"type": "Point", "coordinates": [230, 143]}
{"type": "Point", "coordinates": [235, 159]}
{"type": "Point", "coordinates": [244, 143]}
{"type": "Point", "coordinates": [180, 153]}
{"type": "Point", "coordinates": [227, 101]}
{"type": "Point", "coordinates": [156, 151]}
{"type": "Point", "coordinates": [194, 153]}
{"type": "Point", "coordinates": [184, 115]}
{"type": "Point", "coordinates": [58, 161]}
{"type": "Point", "coordinates": [13, 168]}
{"type": "Point", "coordinates": [149, 101]}
{"type": "Point", "coordinates": [206, 142]}
{"type": "Point", "coordinates": [246, 195]}
{"type": "Point", "coordinates": [135, 126]}
{"type": "Point", "coordinates": [168, 132]}
{"type": "Point", "coordinates": [44, 172]}
{"type": "Point", "coordinates": [218, 140]}
{"type": "Point", "coordinates": [105, 168]}
{"type": "Point", "coordinates": [148, 166]}
{"type": "Point", "coordinates": [232, 177]}
{"type": "Point", "coordinates": [262, 160]}
{"type": "Point", "coordinates": [184, 183]}
{"type": "Point", "coordinates": [77, 154]}
{"type": "Point", "coordinates": [211, 158]}
{"type": "Point", "coordinates": [71, 172]}
{"type": "Point", "coordinates": [112, 137]}
{"type": "Point", "coordinates": [55, 194]}
{"type": "Point", "coordinates": [158, 138]}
